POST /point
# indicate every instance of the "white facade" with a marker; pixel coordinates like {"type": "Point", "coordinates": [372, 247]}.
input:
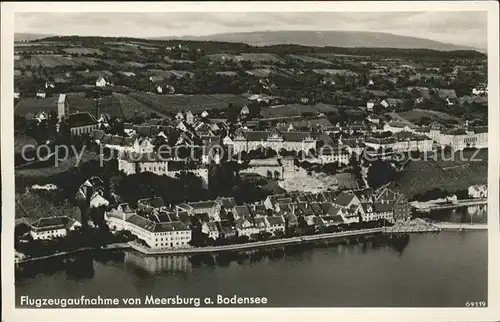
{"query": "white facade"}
{"type": "Point", "coordinates": [411, 144]}
{"type": "Point", "coordinates": [461, 141]}
{"type": "Point", "coordinates": [41, 94]}
{"type": "Point", "coordinates": [157, 167]}
{"type": "Point", "coordinates": [478, 191]}
{"type": "Point", "coordinates": [154, 239]}
{"type": "Point", "coordinates": [48, 234]}
{"type": "Point", "coordinates": [210, 230]}
{"type": "Point", "coordinates": [80, 130]}
{"type": "Point", "coordinates": [478, 91]}
{"type": "Point", "coordinates": [246, 228]}
{"type": "Point", "coordinates": [342, 158]}
{"type": "Point", "coordinates": [273, 141]}
{"type": "Point", "coordinates": [396, 129]}
{"type": "Point", "coordinates": [100, 82]}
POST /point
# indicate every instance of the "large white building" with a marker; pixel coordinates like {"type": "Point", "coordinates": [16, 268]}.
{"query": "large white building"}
{"type": "Point", "coordinates": [402, 142]}
{"type": "Point", "coordinates": [478, 191]}
{"type": "Point", "coordinates": [276, 140]}
{"type": "Point", "coordinates": [132, 163]}
{"type": "Point", "coordinates": [331, 154]}
{"type": "Point", "coordinates": [465, 138]}
{"type": "Point", "coordinates": [458, 138]}
{"type": "Point", "coordinates": [157, 235]}
{"type": "Point", "coordinates": [52, 227]}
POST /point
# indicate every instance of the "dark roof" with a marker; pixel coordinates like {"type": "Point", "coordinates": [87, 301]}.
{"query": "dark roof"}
{"type": "Point", "coordinates": [335, 218]}
{"type": "Point", "coordinates": [203, 204]}
{"type": "Point", "coordinates": [142, 157]}
{"type": "Point", "coordinates": [146, 130]}
{"type": "Point", "coordinates": [155, 202]}
{"type": "Point", "coordinates": [344, 198]}
{"type": "Point", "coordinates": [97, 134]}
{"type": "Point", "coordinates": [156, 227]}
{"type": "Point", "coordinates": [256, 135]}
{"type": "Point", "coordinates": [81, 119]}
{"type": "Point", "coordinates": [295, 136]}
{"type": "Point", "coordinates": [383, 206]}
{"type": "Point", "coordinates": [227, 203]}
{"type": "Point", "coordinates": [275, 220]}
{"type": "Point", "coordinates": [481, 129]}
{"type": "Point", "coordinates": [51, 223]}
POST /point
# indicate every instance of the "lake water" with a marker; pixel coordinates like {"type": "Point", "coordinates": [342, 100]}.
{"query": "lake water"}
{"type": "Point", "coordinates": [444, 269]}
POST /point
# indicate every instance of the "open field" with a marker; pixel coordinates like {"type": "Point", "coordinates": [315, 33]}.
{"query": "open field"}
{"type": "Point", "coordinates": [421, 176]}
{"type": "Point", "coordinates": [33, 105]}
{"type": "Point", "coordinates": [167, 74]}
{"type": "Point", "coordinates": [50, 61]}
{"type": "Point", "coordinates": [32, 206]}
{"type": "Point", "coordinates": [331, 72]}
{"type": "Point", "coordinates": [279, 111]}
{"type": "Point", "coordinates": [417, 114]}
{"type": "Point", "coordinates": [296, 110]}
{"type": "Point", "coordinates": [196, 103]}
{"type": "Point", "coordinates": [258, 57]}
{"type": "Point", "coordinates": [259, 73]}
{"type": "Point", "coordinates": [309, 59]}
{"type": "Point", "coordinates": [115, 105]}
{"type": "Point", "coordinates": [83, 51]}
{"type": "Point", "coordinates": [233, 99]}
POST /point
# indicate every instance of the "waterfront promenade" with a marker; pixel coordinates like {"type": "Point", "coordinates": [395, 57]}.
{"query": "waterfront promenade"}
{"type": "Point", "coordinates": [18, 261]}
{"type": "Point", "coordinates": [253, 245]}
{"type": "Point", "coordinates": [428, 207]}
{"type": "Point", "coordinates": [460, 226]}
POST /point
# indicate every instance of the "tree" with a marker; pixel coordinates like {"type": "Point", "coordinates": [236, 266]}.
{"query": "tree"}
{"type": "Point", "coordinates": [380, 173]}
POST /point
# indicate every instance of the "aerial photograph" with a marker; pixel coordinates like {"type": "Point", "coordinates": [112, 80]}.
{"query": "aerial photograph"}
{"type": "Point", "coordinates": [251, 159]}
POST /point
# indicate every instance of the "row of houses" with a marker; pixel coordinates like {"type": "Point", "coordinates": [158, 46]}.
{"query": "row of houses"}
{"type": "Point", "coordinates": [160, 226]}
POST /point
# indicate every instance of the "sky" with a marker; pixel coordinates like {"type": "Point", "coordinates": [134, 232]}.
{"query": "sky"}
{"type": "Point", "coordinates": [460, 28]}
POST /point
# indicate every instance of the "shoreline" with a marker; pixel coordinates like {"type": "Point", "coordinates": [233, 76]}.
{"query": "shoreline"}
{"type": "Point", "coordinates": [254, 245]}
{"type": "Point", "coordinates": [437, 227]}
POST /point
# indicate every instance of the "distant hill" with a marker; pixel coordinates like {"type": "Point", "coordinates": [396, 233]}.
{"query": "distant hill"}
{"type": "Point", "coordinates": [29, 37]}
{"type": "Point", "coordinates": [328, 38]}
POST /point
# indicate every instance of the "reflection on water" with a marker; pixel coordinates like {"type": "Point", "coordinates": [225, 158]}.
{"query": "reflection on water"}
{"type": "Point", "coordinates": [423, 270]}
{"type": "Point", "coordinates": [157, 264]}
{"type": "Point", "coordinates": [473, 214]}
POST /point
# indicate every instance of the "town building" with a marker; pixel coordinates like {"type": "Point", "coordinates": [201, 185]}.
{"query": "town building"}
{"type": "Point", "coordinates": [331, 154]}
{"type": "Point", "coordinates": [62, 107]}
{"type": "Point", "coordinates": [41, 94]}
{"type": "Point", "coordinates": [159, 235]}
{"type": "Point", "coordinates": [400, 206]}
{"type": "Point", "coordinates": [101, 82]}
{"type": "Point", "coordinates": [401, 142]}
{"type": "Point", "coordinates": [210, 229]}
{"type": "Point", "coordinates": [275, 224]}
{"type": "Point", "coordinates": [212, 208]}
{"type": "Point", "coordinates": [52, 227]}
{"type": "Point", "coordinates": [478, 191]}
{"type": "Point", "coordinates": [460, 139]}
{"type": "Point", "coordinates": [276, 140]}
{"type": "Point", "coordinates": [245, 227]}
{"type": "Point", "coordinates": [82, 123]}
